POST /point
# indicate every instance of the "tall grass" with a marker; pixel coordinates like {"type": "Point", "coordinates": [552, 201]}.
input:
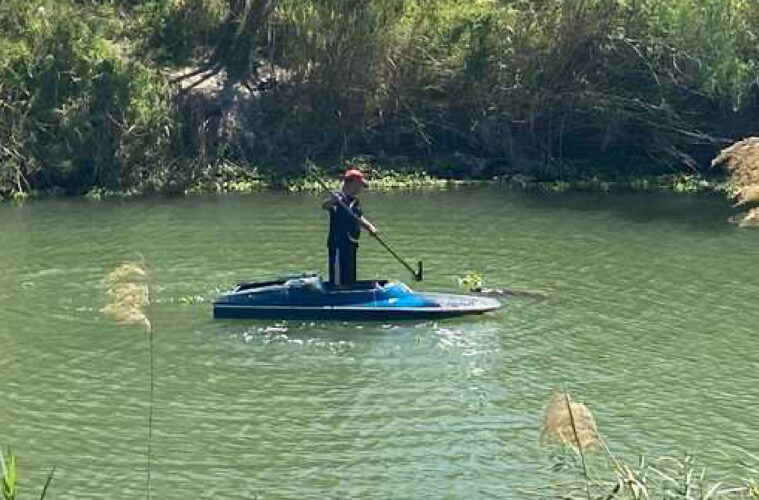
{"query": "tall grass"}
{"type": "Point", "coordinates": [571, 424]}
{"type": "Point", "coordinates": [9, 477]}
{"type": "Point", "coordinates": [556, 89]}
{"type": "Point", "coordinates": [128, 297]}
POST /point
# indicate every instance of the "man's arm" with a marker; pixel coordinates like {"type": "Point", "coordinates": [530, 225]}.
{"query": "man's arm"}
{"type": "Point", "coordinates": [329, 202]}
{"type": "Point", "coordinates": [368, 225]}
{"type": "Point", "coordinates": [332, 201]}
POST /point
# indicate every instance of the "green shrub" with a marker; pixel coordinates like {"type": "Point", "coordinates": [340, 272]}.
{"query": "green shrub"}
{"type": "Point", "coordinates": [76, 111]}
{"type": "Point", "coordinates": [558, 90]}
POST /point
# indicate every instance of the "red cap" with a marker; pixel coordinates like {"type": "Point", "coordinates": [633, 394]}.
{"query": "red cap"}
{"type": "Point", "coordinates": [354, 173]}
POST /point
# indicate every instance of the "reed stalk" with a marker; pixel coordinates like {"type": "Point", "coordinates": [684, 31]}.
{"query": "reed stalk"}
{"type": "Point", "coordinates": [568, 423]}
{"type": "Point", "coordinates": [128, 297]}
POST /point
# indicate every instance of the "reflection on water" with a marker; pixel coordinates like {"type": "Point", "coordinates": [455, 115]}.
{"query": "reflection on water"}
{"type": "Point", "coordinates": [647, 320]}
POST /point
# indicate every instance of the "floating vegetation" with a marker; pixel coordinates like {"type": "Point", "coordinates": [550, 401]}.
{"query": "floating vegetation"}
{"type": "Point", "coordinates": [385, 180]}
{"type": "Point", "coordinates": [189, 300]}
{"type": "Point", "coordinates": [689, 184]}
{"type": "Point", "coordinates": [471, 282]}
{"type": "Point", "coordinates": [474, 282]}
{"type": "Point", "coordinates": [100, 194]}
{"type": "Point", "coordinates": [676, 183]}
{"type": "Point", "coordinates": [242, 186]}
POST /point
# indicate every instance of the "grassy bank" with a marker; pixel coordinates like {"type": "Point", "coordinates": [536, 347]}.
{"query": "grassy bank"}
{"type": "Point", "coordinates": [163, 95]}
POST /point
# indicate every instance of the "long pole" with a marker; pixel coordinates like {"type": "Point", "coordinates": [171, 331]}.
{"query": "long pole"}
{"type": "Point", "coordinates": [418, 273]}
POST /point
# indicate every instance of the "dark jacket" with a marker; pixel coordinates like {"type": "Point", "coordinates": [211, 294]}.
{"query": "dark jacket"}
{"type": "Point", "coordinates": [344, 228]}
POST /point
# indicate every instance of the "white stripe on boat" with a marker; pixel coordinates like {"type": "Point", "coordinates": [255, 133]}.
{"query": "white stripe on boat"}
{"type": "Point", "coordinates": [363, 308]}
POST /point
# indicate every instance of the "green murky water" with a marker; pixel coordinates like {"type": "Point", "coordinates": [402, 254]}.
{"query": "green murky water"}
{"type": "Point", "coordinates": [651, 319]}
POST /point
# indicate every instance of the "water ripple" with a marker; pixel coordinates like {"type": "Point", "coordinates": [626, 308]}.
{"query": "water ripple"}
{"type": "Point", "coordinates": [650, 320]}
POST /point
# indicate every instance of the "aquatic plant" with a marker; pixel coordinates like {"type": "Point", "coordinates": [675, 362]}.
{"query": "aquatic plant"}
{"type": "Point", "coordinates": [689, 184]}
{"type": "Point", "coordinates": [471, 282]}
{"type": "Point", "coordinates": [9, 477]}
{"type": "Point", "coordinates": [381, 178]}
{"type": "Point", "coordinates": [385, 181]}
{"type": "Point", "coordinates": [241, 186]}
{"type": "Point", "coordinates": [571, 424]}
{"type": "Point", "coordinates": [188, 300]}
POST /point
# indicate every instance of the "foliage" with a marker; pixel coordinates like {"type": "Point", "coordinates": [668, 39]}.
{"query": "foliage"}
{"type": "Point", "coordinates": [662, 477]}
{"type": "Point", "coordinates": [380, 179]}
{"type": "Point", "coordinates": [177, 33]}
{"type": "Point", "coordinates": [472, 282]}
{"type": "Point", "coordinates": [558, 90]}
{"type": "Point", "coordinates": [573, 426]}
{"type": "Point", "coordinates": [552, 87]}
{"type": "Point", "coordinates": [75, 112]}
{"type": "Point", "coordinates": [686, 183]}
{"type": "Point", "coordinates": [10, 475]}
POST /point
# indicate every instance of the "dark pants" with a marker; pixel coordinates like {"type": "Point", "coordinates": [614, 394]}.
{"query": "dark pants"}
{"type": "Point", "coordinates": [342, 264]}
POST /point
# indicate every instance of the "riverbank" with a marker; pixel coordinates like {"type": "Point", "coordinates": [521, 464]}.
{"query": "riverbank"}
{"type": "Point", "coordinates": [110, 97]}
{"type": "Point", "coordinates": [242, 181]}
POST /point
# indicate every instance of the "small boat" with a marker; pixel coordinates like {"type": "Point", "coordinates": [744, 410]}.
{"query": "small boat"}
{"type": "Point", "coordinates": [309, 297]}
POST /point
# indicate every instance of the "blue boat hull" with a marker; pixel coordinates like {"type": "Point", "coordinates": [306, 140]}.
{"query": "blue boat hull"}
{"type": "Point", "coordinates": [312, 299]}
{"type": "Point", "coordinates": [326, 314]}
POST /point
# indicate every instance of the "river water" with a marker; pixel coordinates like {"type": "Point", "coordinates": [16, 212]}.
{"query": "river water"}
{"type": "Point", "coordinates": [651, 320]}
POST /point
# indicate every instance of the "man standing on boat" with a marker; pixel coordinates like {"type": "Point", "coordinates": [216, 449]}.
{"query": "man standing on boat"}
{"type": "Point", "coordinates": [345, 222]}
